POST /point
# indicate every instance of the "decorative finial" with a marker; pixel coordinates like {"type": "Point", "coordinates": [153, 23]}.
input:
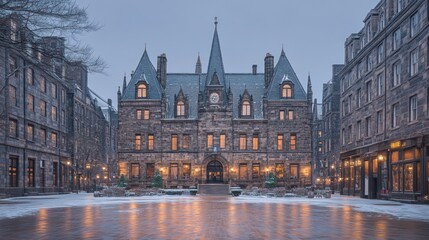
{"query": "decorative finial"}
{"type": "Point", "coordinates": [216, 21]}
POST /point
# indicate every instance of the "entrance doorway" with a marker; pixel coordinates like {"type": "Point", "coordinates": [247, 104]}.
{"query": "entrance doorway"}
{"type": "Point", "coordinates": [214, 172]}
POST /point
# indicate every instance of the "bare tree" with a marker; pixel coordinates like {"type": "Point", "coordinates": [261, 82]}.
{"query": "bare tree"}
{"type": "Point", "coordinates": [47, 18]}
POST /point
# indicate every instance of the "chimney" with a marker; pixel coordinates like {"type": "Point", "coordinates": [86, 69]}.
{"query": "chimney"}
{"type": "Point", "coordinates": [269, 69]}
{"type": "Point", "coordinates": [254, 69]}
{"type": "Point", "coordinates": [161, 72]}
{"type": "Point", "coordinates": [109, 102]}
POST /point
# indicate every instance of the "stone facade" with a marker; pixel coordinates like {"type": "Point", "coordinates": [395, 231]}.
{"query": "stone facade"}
{"type": "Point", "coordinates": [384, 104]}
{"type": "Point", "coordinates": [227, 131]}
{"type": "Point", "coordinates": [50, 123]}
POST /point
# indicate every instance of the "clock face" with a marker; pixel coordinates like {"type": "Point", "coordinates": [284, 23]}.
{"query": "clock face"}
{"type": "Point", "coordinates": [214, 98]}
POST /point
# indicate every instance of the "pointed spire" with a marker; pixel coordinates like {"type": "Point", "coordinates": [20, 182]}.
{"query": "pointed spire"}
{"type": "Point", "coordinates": [309, 87]}
{"type": "Point", "coordinates": [119, 91]}
{"type": "Point", "coordinates": [124, 84]}
{"type": "Point", "coordinates": [215, 60]}
{"type": "Point", "coordinates": [198, 69]}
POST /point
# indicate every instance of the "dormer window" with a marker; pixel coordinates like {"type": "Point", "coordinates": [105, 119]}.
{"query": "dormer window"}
{"type": "Point", "coordinates": [141, 90]}
{"type": "Point", "coordinates": [180, 108]}
{"type": "Point", "coordinates": [287, 90]}
{"type": "Point", "coordinates": [245, 109]}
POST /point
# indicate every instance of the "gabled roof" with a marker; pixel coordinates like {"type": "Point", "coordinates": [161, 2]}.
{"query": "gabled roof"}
{"type": "Point", "coordinates": [282, 69]}
{"type": "Point", "coordinates": [215, 61]}
{"type": "Point", "coordinates": [145, 71]}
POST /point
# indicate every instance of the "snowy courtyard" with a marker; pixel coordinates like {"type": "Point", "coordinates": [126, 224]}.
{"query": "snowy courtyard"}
{"type": "Point", "coordinates": [209, 217]}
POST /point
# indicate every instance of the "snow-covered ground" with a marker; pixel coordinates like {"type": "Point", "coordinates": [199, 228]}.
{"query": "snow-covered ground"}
{"type": "Point", "coordinates": [22, 206]}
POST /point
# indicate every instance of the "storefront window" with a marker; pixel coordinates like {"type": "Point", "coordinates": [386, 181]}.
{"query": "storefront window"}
{"type": "Point", "coordinates": [418, 177]}
{"type": "Point", "coordinates": [135, 170]}
{"type": "Point", "coordinates": [358, 179]}
{"type": "Point", "coordinates": [409, 154]}
{"type": "Point", "coordinates": [186, 170]}
{"type": "Point", "coordinates": [280, 169]}
{"type": "Point", "coordinates": [395, 178]}
{"type": "Point", "coordinates": [395, 156]}
{"type": "Point", "coordinates": [173, 171]}
{"type": "Point", "coordinates": [243, 171]}
{"type": "Point", "coordinates": [255, 171]}
{"type": "Point", "coordinates": [408, 177]}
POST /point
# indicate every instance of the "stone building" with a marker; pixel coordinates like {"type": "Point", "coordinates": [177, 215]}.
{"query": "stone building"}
{"type": "Point", "coordinates": [215, 127]}
{"type": "Point", "coordinates": [384, 104]}
{"type": "Point", "coordinates": [50, 124]}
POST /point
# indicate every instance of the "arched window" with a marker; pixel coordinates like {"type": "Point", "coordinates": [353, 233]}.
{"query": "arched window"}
{"type": "Point", "coordinates": [180, 111]}
{"type": "Point", "coordinates": [245, 108]}
{"type": "Point", "coordinates": [286, 91]}
{"type": "Point", "coordinates": [141, 90]}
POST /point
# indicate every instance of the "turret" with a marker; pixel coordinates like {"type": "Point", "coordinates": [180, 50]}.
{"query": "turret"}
{"type": "Point", "coordinates": [269, 69]}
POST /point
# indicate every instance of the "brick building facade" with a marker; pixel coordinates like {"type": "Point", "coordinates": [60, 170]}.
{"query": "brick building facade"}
{"type": "Point", "coordinates": [384, 104]}
{"type": "Point", "coordinates": [50, 124]}
{"type": "Point", "coordinates": [215, 126]}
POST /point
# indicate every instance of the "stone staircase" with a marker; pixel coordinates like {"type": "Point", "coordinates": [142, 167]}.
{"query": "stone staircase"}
{"type": "Point", "coordinates": [213, 189]}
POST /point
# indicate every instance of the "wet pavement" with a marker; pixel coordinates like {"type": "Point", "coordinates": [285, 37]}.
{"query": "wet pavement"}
{"type": "Point", "coordinates": [208, 217]}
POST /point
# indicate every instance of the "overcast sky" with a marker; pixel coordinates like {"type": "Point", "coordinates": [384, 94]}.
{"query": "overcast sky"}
{"type": "Point", "coordinates": [312, 33]}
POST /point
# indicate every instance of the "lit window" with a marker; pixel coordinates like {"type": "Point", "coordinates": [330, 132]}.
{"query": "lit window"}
{"type": "Point", "coordinates": [222, 140]}
{"type": "Point", "coordinates": [53, 90]}
{"type": "Point", "coordinates": [135, 170]}
{"type": "Point", "coordinates": [150, 139]}
{"type": "Point", "coordinates": [138, 142]}
{"type": "Point", "coordinates": [280, 170]}
{"type": "Point", "coordinates": [255, 142]}
{"type": "Point", "coordinates": [293, 171]}
{"type": "Point", "coordinates": [180, 108]}
{"type": "Point", "coordinates": [138, 114]}
{"type": "Point", "coordinates": [54, 113]}
{"type": "Point", "coordinates": [13, 128]}
{"type": "Point", "coordinates": [30, 102]}
{"type": "Point", "coordinates": [282, 115]}
{"type": "Point", "coordinates": [242, 171]}
{"type": "Point", "coordinates": [279, 142]}
{"type": "Point", "coordinates": [141, 91]}
{"type": "Point", "coordinates": [174, 142]}
{"type": "Point", "coordinates": [42, 82]}
{"type": "Point", "coordinates": [290, 115]}
{"type": "Point", "coordinates": [286, 91]}
{"type": "Point", "coordinates": [209, 140]}
{"type": "Point", "coordinates": [54, 139]}
{"type": "Point", "coordinates": [243, 144]}
{"type": "Point", "coordinates": [245, 108]}
{"type": "Point", "coordinates": [292, 145]}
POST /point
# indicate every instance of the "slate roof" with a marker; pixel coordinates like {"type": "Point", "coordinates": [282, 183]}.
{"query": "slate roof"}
{"type": "Point", "coordinates": [282, 71]}
{"type": "Point", "coordinates": [145, 71]}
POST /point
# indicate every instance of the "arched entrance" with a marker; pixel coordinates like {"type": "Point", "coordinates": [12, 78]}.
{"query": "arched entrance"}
{"type": "Point", "coordinates": [214, 172]}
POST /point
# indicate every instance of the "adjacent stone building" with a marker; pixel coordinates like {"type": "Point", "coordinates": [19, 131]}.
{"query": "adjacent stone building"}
{"type": "Point", "coordinates": [384, 104]}
{"type": "Point", "coordinates": [50, 124]}
{"type": "Point", "coordinates": [215, 127]}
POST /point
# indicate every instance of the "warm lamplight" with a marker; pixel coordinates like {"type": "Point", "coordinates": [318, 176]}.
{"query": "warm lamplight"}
{"type": "Point", "coordinates": [68, 162]}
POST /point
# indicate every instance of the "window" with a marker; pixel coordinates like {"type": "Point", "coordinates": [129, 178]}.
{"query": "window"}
{"type": "Point", "coordinates": [379, 121]}
{"type": "Point", "coordinates": [255, 142]}
{"type": "Point", "coordinates": [42, 82]}
{"type": "Point", "coordinates": [368, 91]}
{"type": "Point", "coordinates": [413, 108]}
{"type": "Point", "coordinates": [210, 140]}
{"type": "Point", "coordinates": [396, 39]}
{"type": "Point", "coordinates": [13, 172]}
{"type": "Point", "coordinates": [135, 170]}
{"type": "Point", "coordinates": [146, 114]}
{"type": "Point", "coordinates": [349, 103]}
{"type": "Point", "coordinates": [369, 63]}
{"type": "Point", "coordinates": [186, 141]}
{"type": "Point", "coordinates": [150, 139]}
{"type": "Point", "coordinates": [174, 142]}
{"type": "Point", "coordinates": [54, 113]}
{"type": "Point", "coordinates": [180, 108]}
{"type": "Point", "coordinates": [359, 73]}
{"type": "Point", "coordinates": [30, 103]}
{"type": "Point", "coordinates": [286, 91]}
{"type": "Point", "coordinates": [399, 5]}
{"type": "Point", "coordinates": [256, 169]}
{"type": "Point", "coordinates": [293, 171]}
{"type": "Point", "coordinates": [174, 171]}
{"type": "Point", "coordinates": [242, 171]}
{"type": "Point", "coordinates": [63, 117]}
{"type": "Point", "coordinates": [186, 170]}
{"type": "Point", "coordinates": [138, 142]}
{"type": "Point", "coordinates": [42, 108]}
{"type": "Point", "coordinates": [242, 142]}
{"type": "Point", "coordinates": [382, 22]}
{"type": "Point", "coordinates": [13, 66]}
{"type": "Point", "coordinates": [12, 95]}
{"type": "Point", "coordinates": [53, 90]}
{"type": "Point", "coordinates": [245, 108]}
{"type": "Point", "coordinates": [29, 75]}
{"type": "Point", "coordinates": [292, 145]}
{"type": "Point", "coordinates": [63, 96]}
{"type": "Point", "coordinates": [395, 115]}
{"type": "Point", "coordinates": [396, 74]}
{"type": "Point", "coordinates": [141, 90]}
{"type": "Point", "coordinates": [43, 136]}
{"type": "Point", "coordinates": [415, 24]}
{"type": "Point", "coordinates": [150, 170]}
{"type": "Point", "coordinates": [222, 140]}
{"type": "Point", "coordinates": [13, 128]}
{"type": "Point", "coordinates": [368, 126]}
{"type": "Point", "coordinates": [349, 133]}
{"type": "Point", "coordinates": [343, 136]}
{"type": "Point", "coordinates": [54, 139]}
{"type": "Point", "coordinates": [280, 141]}
{"type": "Point", "coordinates": [358, 98]}
{"type": "Point", "coordinates": [280, 171]}
{"type": "Point", "coordinates": [380, 84]}
{"type": "Point", "coordinates": [414, 62]}
{"type": "Point", "coordinates": [30, 172]}
{"type": "Point", "coordinates": [380, 53]}
{"type": "Point", "coordinates": [290, 114]}
{"type": "Point", "coordinates": [13, 31]}
{"type": "Point", "coordinates": [138, 114]}
{"type": "Point", "coordinates": [359, 129]}
{"type": "Point", "coordinates": [282, 115]}
{"type": "Point", "coordinates": [30, 132]}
